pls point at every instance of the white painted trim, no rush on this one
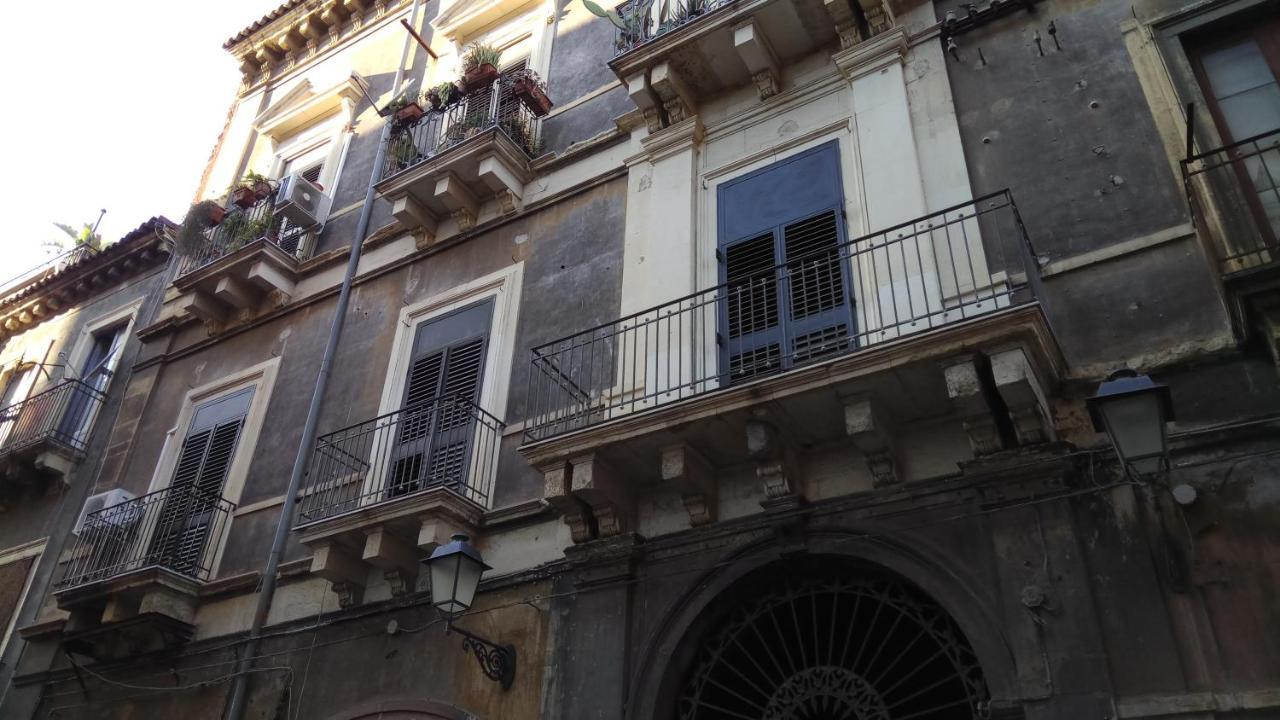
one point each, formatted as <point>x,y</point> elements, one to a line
<point>1139,244</point>
<point>35,549</point>
<point>504,286</point>
<point>262,378</point>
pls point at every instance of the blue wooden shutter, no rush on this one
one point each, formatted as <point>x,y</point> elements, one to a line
<point>786,298</point>
<point>445,377</point>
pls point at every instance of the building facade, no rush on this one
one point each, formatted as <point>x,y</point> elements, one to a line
<point>749,341</point>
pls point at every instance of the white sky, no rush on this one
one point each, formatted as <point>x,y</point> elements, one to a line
<point>112,105</point>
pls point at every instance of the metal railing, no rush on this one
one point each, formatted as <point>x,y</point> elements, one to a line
<point>62,415</point>
<point>959,263</point>
<point>178,529</point>
<point>241,227</point>
<point>648,20</point>
<point>48,267</point>
<point>1243,181</point>
<point>443,442</point>
<point>496,106</point>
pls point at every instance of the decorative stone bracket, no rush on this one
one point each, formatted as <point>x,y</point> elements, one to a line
<point>774,458</point>
<point>685,470</point>
<point>1009,374</point>
<point>873,433</point>
<point>593,498</point>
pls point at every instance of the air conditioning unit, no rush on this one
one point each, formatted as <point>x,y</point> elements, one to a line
<point>302,202</point>
<point>107,499</point>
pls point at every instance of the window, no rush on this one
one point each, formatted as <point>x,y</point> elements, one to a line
<point>198,479</point>
<point>786,299</point>
<point>1238,73</point>
<point>16,570</point>
<point>95,372</point>
<point>17,388</point>
<point>437,425</point>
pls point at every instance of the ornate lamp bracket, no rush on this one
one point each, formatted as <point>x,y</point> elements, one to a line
<point>498,662</point>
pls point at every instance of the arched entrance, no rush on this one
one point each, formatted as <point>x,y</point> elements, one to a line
<point>827,639</point>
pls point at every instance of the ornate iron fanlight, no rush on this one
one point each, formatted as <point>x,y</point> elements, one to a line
<point>855,648</point>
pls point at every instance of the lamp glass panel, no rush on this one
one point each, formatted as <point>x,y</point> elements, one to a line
<point>1136,425</point>
<point>469,572</point>
<point>444,575</point>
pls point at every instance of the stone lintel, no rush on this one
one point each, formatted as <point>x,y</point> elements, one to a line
<point>685,470</point>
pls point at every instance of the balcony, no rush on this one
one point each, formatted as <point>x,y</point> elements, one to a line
<point>933,320</point>
<point>382,493</point>
<point>248,263</point>
<point>1235,195</point>
<point>449,162</point>
<point>671,56</point>
<point>43,436</point>
<point>135,569</point>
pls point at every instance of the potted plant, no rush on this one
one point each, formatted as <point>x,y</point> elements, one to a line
<point>251,188</point>
<point>480,66</point>
<point>262,187</point>
<point>442,95</point>
<point>403,151</point>
<point>527,86</point>
<point>192,235</point>
<point>406,108</point>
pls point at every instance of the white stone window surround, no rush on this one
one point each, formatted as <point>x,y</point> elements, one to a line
<point>35,549</point>
<point>504,286</point>
<point>74,361</point>
<point>262,378</point>
<point>519,29</point>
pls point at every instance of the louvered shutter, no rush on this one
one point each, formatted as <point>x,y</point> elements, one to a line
<point>786,287</point>
<point>198,478</point>
<point>754,338</point>
<point>820,319</point>
<point>437,422</point>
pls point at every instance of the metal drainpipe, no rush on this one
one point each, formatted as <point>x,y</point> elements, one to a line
<point>240,683</point>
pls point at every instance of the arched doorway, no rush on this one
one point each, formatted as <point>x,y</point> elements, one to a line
<point>823,638</point>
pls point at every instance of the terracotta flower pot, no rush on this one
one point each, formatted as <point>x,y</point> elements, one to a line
<point>244,197</point>
<point>479,76</point>
<point>531,94</point>
<point>409,113</point>
<point>216,214</point>
<point>262,189</point>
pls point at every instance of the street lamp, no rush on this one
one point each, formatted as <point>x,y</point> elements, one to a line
<point>1134,412</point>
<point>455,574</point>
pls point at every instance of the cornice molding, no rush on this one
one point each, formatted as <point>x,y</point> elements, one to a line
<point>887,48</point>
<point>304,104</point>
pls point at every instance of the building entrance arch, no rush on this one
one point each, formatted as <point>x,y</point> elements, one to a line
<point>825,638</point>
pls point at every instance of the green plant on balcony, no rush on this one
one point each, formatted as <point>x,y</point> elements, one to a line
<point>480,66</point>
<point>631,18</point>
<point>443,95</point>
<point>403,151</point>
<point>406,107</point>
<point>252,188</point>
<point>193,234</point>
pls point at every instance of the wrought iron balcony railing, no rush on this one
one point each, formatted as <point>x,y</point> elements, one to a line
<point>497,106</point>
<point>444,442</point>
<point>61,416</point>
<point>48,267</point>
<point>1243,181</point>
<point>242,226</point>
<point>947,267</point>
<point>179,529</point>
<point>645,21</point>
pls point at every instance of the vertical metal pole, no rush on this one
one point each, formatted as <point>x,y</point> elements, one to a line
<point>240,684</point>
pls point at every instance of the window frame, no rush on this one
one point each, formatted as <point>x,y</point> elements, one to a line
<point>34,549</point>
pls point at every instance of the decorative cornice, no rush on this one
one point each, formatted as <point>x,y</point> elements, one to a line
<point>670,140</point>
<point>304,104</point>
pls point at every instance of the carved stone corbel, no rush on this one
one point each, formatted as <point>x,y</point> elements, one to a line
<point>871,431</point>
<point>1024,394</point>
<point>557,491</point>
<point>846,24</point>
<point>964,388</point>
<point>774,458</point>
<point>756,53</point>
<point>677,101</point>
<point>688,472</point>
<point>340,566</point>
<point>879,16</point>
<point>644,98</point>
<point>597,484</point>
